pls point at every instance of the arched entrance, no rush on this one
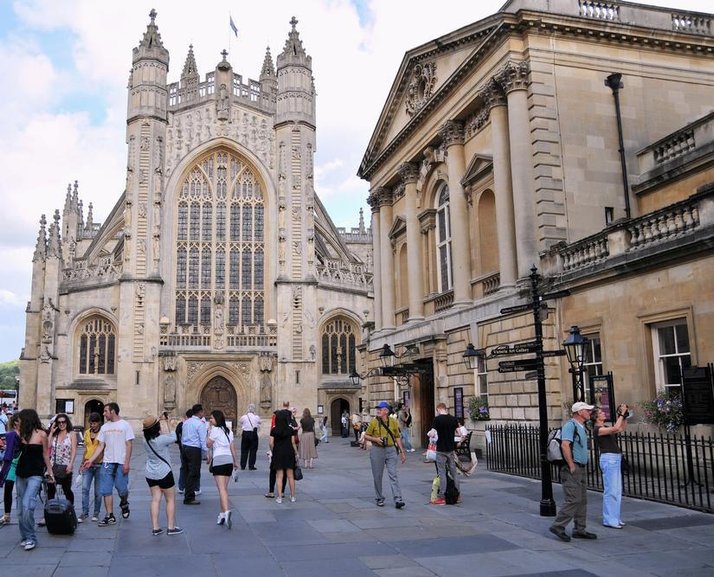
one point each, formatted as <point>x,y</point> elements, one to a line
<point>93,406</point>
<point>337,407</point>
<point>219,394</point>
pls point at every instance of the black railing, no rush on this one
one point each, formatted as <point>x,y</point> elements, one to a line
<point>665,468</point>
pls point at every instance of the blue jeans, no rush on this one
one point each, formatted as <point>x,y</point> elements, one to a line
<point>612,488</point>
<point>28,488</point>
<point>112,475</point>
<point>406,439</point>
<point>89,475</point>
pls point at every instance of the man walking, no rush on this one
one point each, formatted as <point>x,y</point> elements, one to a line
<point>574,444</point>
<point>250,425</point>
<point>445,426</point>
<point>115,445</point>
<point>386,445</point>
<point>193,447</point>
<point>405,423</point>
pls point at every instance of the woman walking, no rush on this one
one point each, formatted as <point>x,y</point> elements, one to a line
<point>9,466</point>
<point>308,450</point>
<point>610,465</point>
<point>285,454</point>
<point>223,461</point>
<point>159,475</point>
<point>63,451</point>
<point>34,461</point>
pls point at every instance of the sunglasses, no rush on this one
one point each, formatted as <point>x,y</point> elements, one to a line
<point>61,422</point>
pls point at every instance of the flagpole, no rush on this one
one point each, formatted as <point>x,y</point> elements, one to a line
<point>230,19</point>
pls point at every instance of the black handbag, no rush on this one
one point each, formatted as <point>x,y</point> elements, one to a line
<point>298,473</point>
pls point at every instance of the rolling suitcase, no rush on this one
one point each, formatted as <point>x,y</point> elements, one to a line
<point>60,516</point>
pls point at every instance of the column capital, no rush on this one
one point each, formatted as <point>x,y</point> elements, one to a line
<point>513,76</point>
<point>493,95</point>
<point>452,132</point>
<point>409,172</point>
<point>379,197</point>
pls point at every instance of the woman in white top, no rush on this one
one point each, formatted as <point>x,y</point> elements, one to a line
<point>223,461</point>
<point>159,475</point>
<point>63,451</point>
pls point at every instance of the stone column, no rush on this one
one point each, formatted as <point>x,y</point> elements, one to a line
<point>453,135</point>
<point>427,220</point>
<point>409,172</point>
<point>373,201</point>
<point>386,257</point>
<point>514,80</point>
<point>505,225</point>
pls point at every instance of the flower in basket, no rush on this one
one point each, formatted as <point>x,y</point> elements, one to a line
<point>478,409</point>
<point>665,411</point>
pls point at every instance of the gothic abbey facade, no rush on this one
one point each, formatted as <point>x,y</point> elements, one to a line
<point>218,277</point>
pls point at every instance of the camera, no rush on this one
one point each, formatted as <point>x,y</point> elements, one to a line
<point>384,441</point>
<point>630,413</point>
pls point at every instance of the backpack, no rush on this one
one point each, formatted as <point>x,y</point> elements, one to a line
<point>451,495</point>
<point>554,452</point>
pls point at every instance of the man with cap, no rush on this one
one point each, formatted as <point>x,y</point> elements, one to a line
<point>573,474</point>
<point>383,432</point>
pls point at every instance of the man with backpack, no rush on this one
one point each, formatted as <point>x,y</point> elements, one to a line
<point>445,426</point>
<point>574,445</point>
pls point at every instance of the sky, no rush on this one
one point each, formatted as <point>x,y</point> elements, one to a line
<point>65,66</point>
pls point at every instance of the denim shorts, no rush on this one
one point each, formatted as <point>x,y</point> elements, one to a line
<point>112,475</point>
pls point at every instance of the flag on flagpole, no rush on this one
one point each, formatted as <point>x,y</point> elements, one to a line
<point>233,26</point>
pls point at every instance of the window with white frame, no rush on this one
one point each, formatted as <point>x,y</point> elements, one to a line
<point>593,356</point>
<point>481,378</point>
<point>443,239</point>
<point>670,343</point>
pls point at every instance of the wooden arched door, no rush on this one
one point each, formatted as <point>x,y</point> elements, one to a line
<point>219,394</point>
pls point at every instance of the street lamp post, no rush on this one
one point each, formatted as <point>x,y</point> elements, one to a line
<point>575,348</point>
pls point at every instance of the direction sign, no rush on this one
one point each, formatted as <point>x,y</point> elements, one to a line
<point>529,347</point>
<point>556,353</point>
<point>516,309</point>
<point>555,295</point>
<point>518,365</point>
<point>501,350</point>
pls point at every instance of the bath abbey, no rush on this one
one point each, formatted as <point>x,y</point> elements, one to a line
<point>218,277</point>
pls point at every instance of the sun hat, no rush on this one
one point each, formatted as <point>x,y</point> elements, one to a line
<point>149,422</point>
<point>580,406</point>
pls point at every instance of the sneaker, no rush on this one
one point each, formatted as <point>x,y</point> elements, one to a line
<point>380,502</point>
<point>125,510</point>
<point>411,450</point>
<point>30,545</point>
<point>292,499</point>
<point>156,532</point>
<point>278,500</point>
<point>198,491</point>
<point>439,501</point>
<point>41,522</point>
<point>229,520</point>
<point>180,491</point>
<point>270,495</point>
<point>221,519</point>
<point>23,542</point>
<point>399,504</point>
<point>175,531</point>
<point>82,517</point>
<point>4,520</point>
<point>108,520</point>
<point>560,533</point>
<point>95,518</point>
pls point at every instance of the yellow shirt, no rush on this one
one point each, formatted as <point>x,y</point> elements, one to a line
<point>377,429</point>
<point>91,446</point>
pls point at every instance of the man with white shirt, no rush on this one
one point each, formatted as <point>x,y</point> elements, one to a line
<point>193,447</point>
<point>250,425</point>
<point>115,445</point>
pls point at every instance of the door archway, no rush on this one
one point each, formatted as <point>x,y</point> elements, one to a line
<point>219,394</point>
<point>93,406</point>
<point>337,407</point>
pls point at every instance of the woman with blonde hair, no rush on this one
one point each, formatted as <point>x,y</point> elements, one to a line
<point>308,450</point>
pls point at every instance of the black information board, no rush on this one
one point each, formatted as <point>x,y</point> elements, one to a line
<point>698,395</point>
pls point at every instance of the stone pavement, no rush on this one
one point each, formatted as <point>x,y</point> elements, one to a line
<point>335,528</point>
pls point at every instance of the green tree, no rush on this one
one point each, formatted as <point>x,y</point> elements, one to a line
<point>9,372</point>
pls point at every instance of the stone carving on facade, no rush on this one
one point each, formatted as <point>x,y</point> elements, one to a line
<point>192,368</point>
<point>48,321</point>
<point>159,155</point>
<point>513,76</point>
<point>421,86</point>
<point>408,172</point>
<point>140,293</point>
<point>169,358</point>
<point>170,391</point>
<point>432,158</point>
<point>222,103</point>
<point>265,365</point>
<point>452,133</point>
<point>45,354</point>
<point>141,210</point>
<point>130,154</point>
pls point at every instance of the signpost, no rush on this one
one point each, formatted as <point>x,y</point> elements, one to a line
<point>520,365</point>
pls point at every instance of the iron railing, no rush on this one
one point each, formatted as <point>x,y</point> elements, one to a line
<point>673,469</point>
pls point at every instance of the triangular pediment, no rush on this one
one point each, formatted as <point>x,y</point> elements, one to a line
<point>399,227</point>
<point>479,167</point>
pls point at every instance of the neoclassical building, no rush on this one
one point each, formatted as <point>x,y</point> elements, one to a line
<point>218,277</point>
<point>577,140</point>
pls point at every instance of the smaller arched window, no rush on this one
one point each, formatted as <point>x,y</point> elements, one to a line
<point>338,347</point>
<point>443,239</point>
<point>97,347</point>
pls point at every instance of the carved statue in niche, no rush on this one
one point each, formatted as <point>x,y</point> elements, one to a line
<point>266,390</point>
<point>158,155</point>
<point>297,248</point>
<point>140,293</point>
<point>142,210</point>
<point>170,391</point>
<point>48,314</point>
<point>144,143</point>
<point>313,352</point>
<point>222,104</point>
<point>141,246</point>
<point>218,320</point>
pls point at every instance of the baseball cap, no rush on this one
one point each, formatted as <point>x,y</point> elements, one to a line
<point>580,406</point>
<point>383,405</point>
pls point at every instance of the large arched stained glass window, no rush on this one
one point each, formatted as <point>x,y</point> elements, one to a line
<point>97,347</point>
<point>338,347</point>
<point>220,244</point>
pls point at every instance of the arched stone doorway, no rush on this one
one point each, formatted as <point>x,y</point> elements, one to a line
<point>219,394</point>
<point>337,407</point>
<point>93,406</point>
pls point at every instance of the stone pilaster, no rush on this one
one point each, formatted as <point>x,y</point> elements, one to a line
<point>386,257</point>
<point>409,173</point>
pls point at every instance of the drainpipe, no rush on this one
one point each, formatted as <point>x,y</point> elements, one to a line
<point>614,83</point>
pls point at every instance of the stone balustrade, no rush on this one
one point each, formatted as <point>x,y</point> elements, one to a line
<point>104,270</point>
